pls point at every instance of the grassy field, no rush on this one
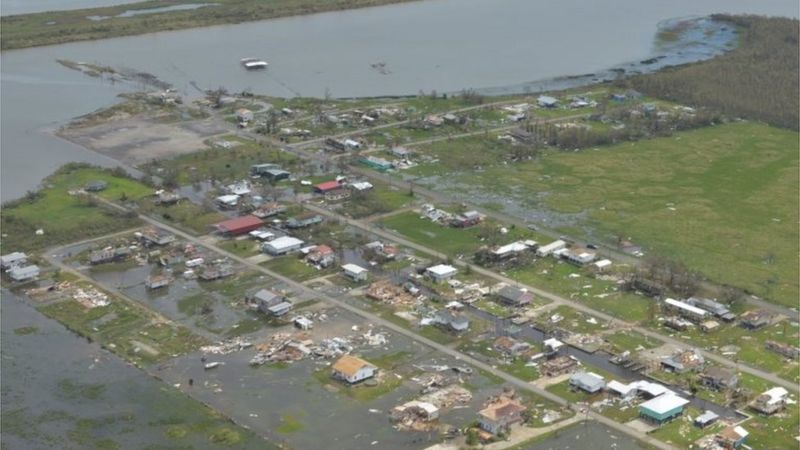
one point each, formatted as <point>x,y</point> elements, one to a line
<point>630,341</point>
<point>64,217</point>
<point>751,345</point>
<point>219,163</point>
<point>681,431</point>
<point>720,199</point>
<point>47,28</point>
<point>295,268</point>
<point>129,330</point>
<point>573,320</point>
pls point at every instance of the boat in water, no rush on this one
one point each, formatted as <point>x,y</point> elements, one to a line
<point>254,63</point>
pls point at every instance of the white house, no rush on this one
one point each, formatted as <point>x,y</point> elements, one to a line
<point>355,272</point>
<point>352,369</point>
<point>22,273</point>
<point>441,272</point>
<point>13,259</point>
<point>228,201</point>
<point>282,245</point>
<point>550,248</point>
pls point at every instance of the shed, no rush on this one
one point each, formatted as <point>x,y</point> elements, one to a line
<point>239,225</point>
<point>551,247</point>
<point>706,419</point>
<point>546,101</point>
<point>228,201</point>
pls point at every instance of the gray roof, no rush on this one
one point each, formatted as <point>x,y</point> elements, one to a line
<point>707,417</point>
<point>587,381</point>
<point>266,296</point>
<point>511,293</point>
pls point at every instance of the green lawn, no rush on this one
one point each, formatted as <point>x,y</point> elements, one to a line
<point>682,432</point>
<point>128,330</point>
<point>630,340</point>
<point>241,247</point>
<point>439,237</point>
<point>751,345</point>
<point>720,199</point>
<point>66,218</point>
<point>186,215</point>
<point>295,268</point>
<point>573,320</point>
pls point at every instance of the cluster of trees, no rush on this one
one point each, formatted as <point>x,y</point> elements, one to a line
<point>637,125</point>
<point>758,80</point>
<point>673,275</point>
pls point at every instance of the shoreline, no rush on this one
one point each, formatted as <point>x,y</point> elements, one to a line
<point>49,28</point>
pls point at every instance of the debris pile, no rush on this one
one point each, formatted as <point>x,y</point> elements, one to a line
<point>385,291</point>
<point>225,347</point>
<point>283,347</point>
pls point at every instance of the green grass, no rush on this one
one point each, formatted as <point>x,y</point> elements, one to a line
<point>186,215</point>
<point>492,308</point>
<point>295,268</point>
<point>360,392</point>
<point>565,391</point>
<point>731,186</point>
<point>29,30</point>
<point>630,340</point>
<point>119,324</point>
<point>439,237</point>
<point>289,424</point>
<point>219,163</point>
<point>681,431</point>
<point>751,344</point>
<point>573,320</point>
<point>241,247</point>
<point>63,217</point>
<point>520,370</point>
<point>560,277</point>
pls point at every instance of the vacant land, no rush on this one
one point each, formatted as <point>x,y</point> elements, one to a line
<point>758,80</point>
<point>57,27</point>
<point>720,199</point>
<point>63,217</point>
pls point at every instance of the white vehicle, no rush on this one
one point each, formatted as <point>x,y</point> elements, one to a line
<point>253,63</point>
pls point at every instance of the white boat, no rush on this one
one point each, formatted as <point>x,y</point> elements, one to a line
<point>212,365</point>
<point>253,63</point>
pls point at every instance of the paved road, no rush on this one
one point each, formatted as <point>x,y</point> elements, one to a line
<point>555,298</point>
<point>300,288</point>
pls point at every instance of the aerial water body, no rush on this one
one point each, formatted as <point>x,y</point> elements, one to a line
<point>442,45</point>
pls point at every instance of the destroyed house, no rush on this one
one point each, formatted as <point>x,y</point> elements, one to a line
<point>732,437</point>
<point>304,220</point>
<point>718,378</point>
<point>108,255</point>
<point>717,309</point>
<point>514,296</point>
<point>157,236</point>
<point>322,256</point>
<point>558,366</point>
<point>466,219</point>
<point>755,319</point>
<point>499,415</point>
<point>167,198</point>
<point>686,361</point>
<point>510,346</point>
<point>268,210</point>
<point>335,144</point>
<point>239,225</point>
<point>215,272</point>
<point>352,369</point>
<point>785,350</point>
<point>520,135</point>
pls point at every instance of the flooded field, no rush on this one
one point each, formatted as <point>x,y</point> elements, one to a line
<point>93,399</point>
